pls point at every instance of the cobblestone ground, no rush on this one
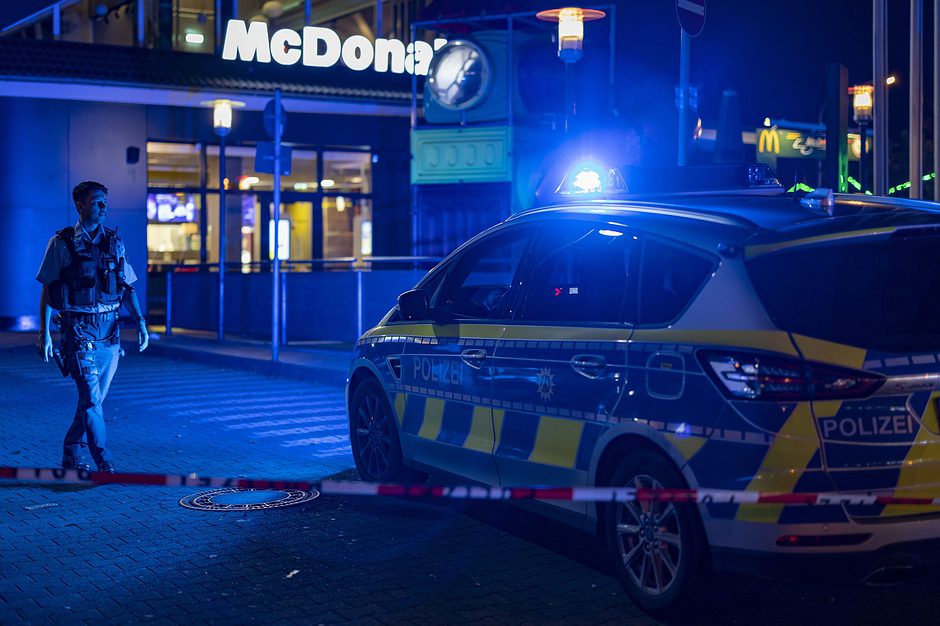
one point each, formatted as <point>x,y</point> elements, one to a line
<point>116,554</point>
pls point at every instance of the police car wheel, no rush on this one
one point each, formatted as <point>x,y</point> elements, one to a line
<point>374,435</point>
<point>657,547</point>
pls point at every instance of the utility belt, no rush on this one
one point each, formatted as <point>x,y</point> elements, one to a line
<point>88,318</point>
<point>83,332</point>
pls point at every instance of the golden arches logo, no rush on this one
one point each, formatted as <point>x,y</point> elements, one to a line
<point>769,141</point>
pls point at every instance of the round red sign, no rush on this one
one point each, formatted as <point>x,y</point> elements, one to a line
<point>691,14</point>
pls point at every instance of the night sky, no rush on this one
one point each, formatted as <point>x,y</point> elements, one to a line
<point>772,52</point>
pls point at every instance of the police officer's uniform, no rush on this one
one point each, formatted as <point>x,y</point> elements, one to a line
<point>86,276</point>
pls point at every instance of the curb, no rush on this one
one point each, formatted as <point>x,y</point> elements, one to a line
<point>306,373</point>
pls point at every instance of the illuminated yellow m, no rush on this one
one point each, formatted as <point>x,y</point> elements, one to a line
<point>770,138</point>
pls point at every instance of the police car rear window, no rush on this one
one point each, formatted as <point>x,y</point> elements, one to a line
<point>881,294</point>
<point>581,274</point>
<point>670,277</point>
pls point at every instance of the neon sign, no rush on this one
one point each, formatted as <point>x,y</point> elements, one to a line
<point>317,46</point>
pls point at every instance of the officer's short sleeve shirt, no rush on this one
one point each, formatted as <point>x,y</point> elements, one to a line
<point>57,257</point>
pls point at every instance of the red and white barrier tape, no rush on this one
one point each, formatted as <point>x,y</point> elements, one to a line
<point>355,488</point>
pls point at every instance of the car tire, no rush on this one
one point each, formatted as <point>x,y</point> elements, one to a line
<point>657,548</point>
<point>373,435</point>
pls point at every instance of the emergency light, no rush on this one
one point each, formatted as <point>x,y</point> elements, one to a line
<point>590,180</point>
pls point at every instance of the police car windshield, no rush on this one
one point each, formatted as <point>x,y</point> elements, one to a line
<point>881,294</point>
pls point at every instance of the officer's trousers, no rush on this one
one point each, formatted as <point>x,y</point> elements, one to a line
<point>92,367</point>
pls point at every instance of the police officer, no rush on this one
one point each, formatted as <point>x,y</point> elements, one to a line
<point>85,276</point>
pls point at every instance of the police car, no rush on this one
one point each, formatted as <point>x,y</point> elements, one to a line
<point>745,339</point>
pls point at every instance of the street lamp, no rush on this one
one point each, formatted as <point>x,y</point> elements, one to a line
<point>570,40</point>
<point>222,125</point>
<point>862,104</point>
<point>570,29</point>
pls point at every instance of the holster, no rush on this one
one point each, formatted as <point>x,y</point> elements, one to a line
<point>60,361</point>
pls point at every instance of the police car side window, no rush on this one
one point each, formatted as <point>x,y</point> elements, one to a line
<point>479,284</point>
<point>670,277</point>
<point>582,273</point>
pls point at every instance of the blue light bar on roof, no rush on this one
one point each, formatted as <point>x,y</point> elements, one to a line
<point>590,179</point>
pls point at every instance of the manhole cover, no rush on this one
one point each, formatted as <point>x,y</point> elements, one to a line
<point>232,499</point>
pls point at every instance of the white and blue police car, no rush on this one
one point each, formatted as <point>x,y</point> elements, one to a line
<point>741,338</point>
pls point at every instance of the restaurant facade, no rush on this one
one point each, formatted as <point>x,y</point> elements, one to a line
<point>90,92</point>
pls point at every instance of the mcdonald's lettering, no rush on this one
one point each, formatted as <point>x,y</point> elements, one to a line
<point>769,141</point>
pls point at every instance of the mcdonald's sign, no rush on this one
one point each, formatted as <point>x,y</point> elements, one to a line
<point>769,140</point>
<point>773,143</point>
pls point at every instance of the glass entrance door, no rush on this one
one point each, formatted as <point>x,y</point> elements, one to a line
<point>297,229</point>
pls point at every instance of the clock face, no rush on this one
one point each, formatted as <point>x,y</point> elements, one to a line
<point>459,76</point>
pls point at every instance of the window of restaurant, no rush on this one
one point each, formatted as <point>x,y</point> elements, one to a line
<point>173,203</point>
<point>344,218</point>
<point>336,183</point>
<point>92,21</point>
<point>347,203</point>
<point>189,25</point>
<point>276,14</point>
<point>194,25</point>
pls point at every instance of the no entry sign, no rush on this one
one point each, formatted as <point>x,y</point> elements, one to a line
<point>691,14</point>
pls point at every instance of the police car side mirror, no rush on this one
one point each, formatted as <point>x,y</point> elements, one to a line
<point>414,305</point>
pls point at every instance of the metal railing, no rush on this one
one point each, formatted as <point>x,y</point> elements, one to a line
<point>321,299</point>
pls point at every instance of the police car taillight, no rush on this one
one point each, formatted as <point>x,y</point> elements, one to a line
<point>749,376</point>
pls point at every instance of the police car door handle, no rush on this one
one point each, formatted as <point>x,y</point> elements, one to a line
<point>473,357</point>
<point>588,365</point>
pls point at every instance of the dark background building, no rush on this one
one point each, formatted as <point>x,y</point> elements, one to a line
<point>116,90</point>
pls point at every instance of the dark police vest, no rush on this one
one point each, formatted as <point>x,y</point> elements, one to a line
<point>95,274</point>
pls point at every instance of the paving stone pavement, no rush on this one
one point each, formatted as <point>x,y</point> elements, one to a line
<point>128,554</point>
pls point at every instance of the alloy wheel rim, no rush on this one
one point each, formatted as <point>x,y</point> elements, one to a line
<point>649,538</point>
<point>373,436</point>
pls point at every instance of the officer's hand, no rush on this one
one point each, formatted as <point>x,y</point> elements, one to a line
<point>44,346</point>
<point>143,337</point>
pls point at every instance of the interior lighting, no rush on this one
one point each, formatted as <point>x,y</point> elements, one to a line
<point>570,29</point>
<point>891,80</point>
<point>247,181</point>
<point>327,182</point>
<point>301,186</point>
<point>196,39</point>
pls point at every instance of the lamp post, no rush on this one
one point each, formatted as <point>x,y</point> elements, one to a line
<point>570,41</point>
<point>862,105</point>
<point>222,125</point>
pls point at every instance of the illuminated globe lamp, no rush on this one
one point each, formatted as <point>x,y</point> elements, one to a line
<point>862,103</point>
<point>862,100</point>
<point>222,125</point>
<point>222,117</point>
<point>570,29</point>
